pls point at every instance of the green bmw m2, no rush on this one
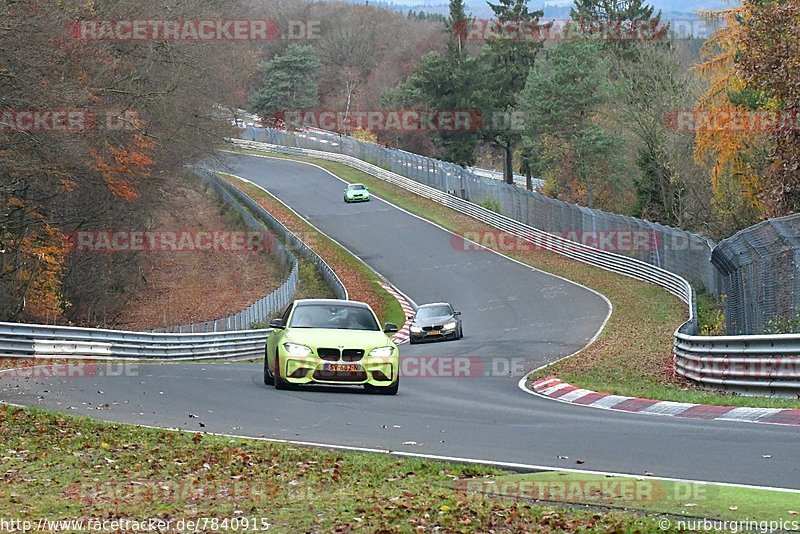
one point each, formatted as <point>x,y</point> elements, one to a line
<point>325,341</point>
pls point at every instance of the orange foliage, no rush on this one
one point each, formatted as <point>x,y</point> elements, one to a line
<point>47,256</point>
<point>125,164</point>
<point>40,254</point>
<point>723,145</point>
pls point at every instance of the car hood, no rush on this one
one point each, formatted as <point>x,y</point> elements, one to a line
<point>430,321</point>
<point>328,337</point>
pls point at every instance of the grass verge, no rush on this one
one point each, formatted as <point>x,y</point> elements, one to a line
<point>361,282</point>
<point>633,354</point>
<point>102,471</point>
<point>646,495</point>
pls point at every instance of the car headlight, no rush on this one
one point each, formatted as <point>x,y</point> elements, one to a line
<point>382,352</point>
<point>450,326</point>
<point>416,329</point>
<point>293,349</point>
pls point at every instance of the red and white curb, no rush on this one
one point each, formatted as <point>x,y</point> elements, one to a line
<point>554,388</point>
<point>408,310</point>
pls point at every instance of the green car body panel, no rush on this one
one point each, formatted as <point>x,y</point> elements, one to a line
<point>286,368</point>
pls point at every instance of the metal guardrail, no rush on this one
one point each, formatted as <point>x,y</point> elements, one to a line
<point>46,341</point>
<point>519,179</point>
<point>291,241</point>
<point>285,245</point>
<point>20,340</point>
<point>265,307</point>
<point>672,249</point>
<point>711,361</point>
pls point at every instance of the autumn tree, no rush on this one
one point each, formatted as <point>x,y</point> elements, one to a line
<point>732,153</point>
<point>161,97</point>
<point>768,63</point>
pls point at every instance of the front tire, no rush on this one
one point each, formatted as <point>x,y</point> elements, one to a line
<point>384,390</point>
<point>280,383</point>
<point>269,380</point>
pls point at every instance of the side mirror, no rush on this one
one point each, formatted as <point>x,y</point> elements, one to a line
<point>390,328</point>
<point>457,313</point>
<point>277,323</point>
<point>410,317</point>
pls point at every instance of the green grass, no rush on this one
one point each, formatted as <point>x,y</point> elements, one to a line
<point>65,468</point>
<point>645,494</point>
<point>710,316</point>
<point>632,356</point>
<point>311,285</point>
<point>361,281</point>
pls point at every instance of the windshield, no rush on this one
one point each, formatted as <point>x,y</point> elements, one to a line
<point>358,187</point>
<point>434,311</point>
<point>333,316</point>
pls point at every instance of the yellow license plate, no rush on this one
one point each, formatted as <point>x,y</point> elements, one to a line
<point>434,332</point>
<point>340,367</point>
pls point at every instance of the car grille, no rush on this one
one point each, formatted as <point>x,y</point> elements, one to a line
<point>333,355</point>
<point>435,327</point>
<point>352,355</point>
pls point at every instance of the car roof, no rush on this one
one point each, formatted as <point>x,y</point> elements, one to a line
<point>431,304</point>
<point>339,302</point>
<point>357,183</point>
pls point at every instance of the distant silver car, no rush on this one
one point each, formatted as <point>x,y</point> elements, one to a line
<point>436,321</point>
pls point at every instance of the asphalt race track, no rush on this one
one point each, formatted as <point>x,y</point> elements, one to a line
<point>511,314</point>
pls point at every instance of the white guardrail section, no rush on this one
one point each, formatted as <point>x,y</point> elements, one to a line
<point>18,340</point>
<point>761,365</point>
<point>44,341</point>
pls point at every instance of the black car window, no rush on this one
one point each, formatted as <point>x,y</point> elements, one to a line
<point>333,316</point>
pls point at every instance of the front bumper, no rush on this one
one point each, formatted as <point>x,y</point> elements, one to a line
<point>359,198</point>
<point>369,370</point>
<point>427,336</point>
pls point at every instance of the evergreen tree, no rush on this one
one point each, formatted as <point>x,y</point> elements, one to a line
<point>563,141</point>
<point>613,10</point>
<point>506,63</point>
<point>445,82</point>
<point>289,82</point>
